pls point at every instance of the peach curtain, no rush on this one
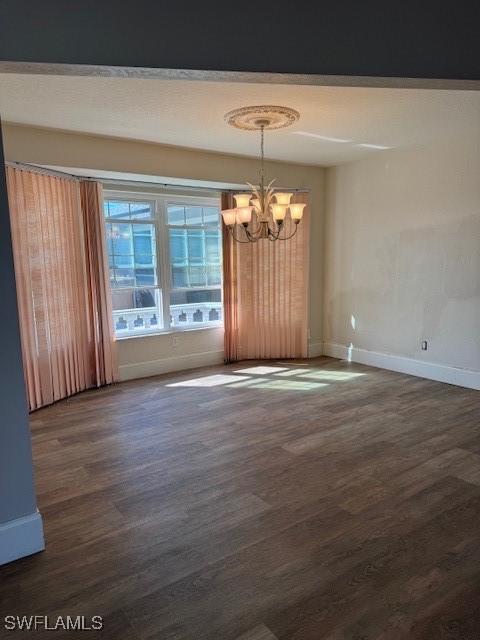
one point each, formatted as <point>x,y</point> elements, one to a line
<point>266,294</point>
<point>66,344</point>
<point>102,348</point>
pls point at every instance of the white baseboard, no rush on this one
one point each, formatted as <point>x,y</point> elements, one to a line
<point>441,373</point>
<point>21,537</point>
<point>315,349</point>
<point>170,364</point>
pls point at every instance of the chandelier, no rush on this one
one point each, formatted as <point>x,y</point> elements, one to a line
<point>261,213</point>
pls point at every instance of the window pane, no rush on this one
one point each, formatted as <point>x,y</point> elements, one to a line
<point>145,257</point>
<point>211,216</point>
<point>123,261</point>
<point>127,210</point>
<point>109,236</point>
<point>144,298</point>
<point>121,238</point>
<point>117,209</point>
<point>200,251</point>
<point>144,276</point>
<point>195,241</point>
<point>178,246</point>
<point>193,296</point>
<point>123,299</point>
<point>141,298</point>
<point>197,276</point>
<point>147,260</point>
<point>143,238</point>
<point>193,215</point>
<point>179,276</point>
<point>176,215</point>
<point>140,210</point>
<point>132,255</point>
<point>214,276</point>
<point>212,247</point>
<point>192,307</point>
<point>124,277</point>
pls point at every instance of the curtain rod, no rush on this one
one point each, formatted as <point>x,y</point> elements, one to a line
<point>38,169</point>
<point>188,187</point>
<point>64,174</point>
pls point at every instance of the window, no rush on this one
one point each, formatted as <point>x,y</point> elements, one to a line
<point>165,262</point>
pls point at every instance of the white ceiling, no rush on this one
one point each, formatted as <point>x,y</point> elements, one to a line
<point>190,114</point>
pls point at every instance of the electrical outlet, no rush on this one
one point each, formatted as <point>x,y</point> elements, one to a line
<point>424,345</point>
<point>174,341</point>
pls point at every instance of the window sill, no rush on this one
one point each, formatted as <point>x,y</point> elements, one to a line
<point>166,332</point>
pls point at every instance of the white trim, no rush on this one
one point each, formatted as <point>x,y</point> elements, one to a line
<point>125,193</point>
<point>262,77</point>
<point>440,372</point>
<point>21,537</point>
<point>166,365</point>
<point>315,349</point>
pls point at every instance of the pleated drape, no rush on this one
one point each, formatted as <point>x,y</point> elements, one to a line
<point>103,361</point>
<point>61,338</point>
<point>266,294</point>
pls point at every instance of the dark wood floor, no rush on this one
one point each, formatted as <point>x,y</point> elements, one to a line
<point>300,502</point>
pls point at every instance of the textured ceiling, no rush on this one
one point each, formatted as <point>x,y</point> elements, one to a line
<point>190,114</point>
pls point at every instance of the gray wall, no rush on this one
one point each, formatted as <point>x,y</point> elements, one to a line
<point>17,495</point>
<point>408,39</point>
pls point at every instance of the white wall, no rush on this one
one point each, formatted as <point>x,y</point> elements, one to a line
<point>402,251</point>
<point>151,355</point>
<point>155,354</point>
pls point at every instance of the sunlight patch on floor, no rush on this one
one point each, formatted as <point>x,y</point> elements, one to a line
<point>290,385</point>
<point>332,375</point>
<point>261,371</point>
<point>293,372</point>
<point>278,378</point>
<point>208,381</point>
<point>252,382</point>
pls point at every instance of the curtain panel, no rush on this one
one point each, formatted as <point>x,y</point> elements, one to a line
<point>266,293</point>
<point>62,292</point>
<point>102,351</point>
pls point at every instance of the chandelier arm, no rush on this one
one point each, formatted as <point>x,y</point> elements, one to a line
<point>272,235</point>
<point>253,237</point>
<point>290,236</point>
<point>250,236</point>
<point>232,233</point>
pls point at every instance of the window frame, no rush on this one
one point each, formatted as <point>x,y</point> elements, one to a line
<point>160,204</point>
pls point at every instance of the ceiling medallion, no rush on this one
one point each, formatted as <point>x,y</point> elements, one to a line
<point>268,116</point>
<point>260,214</point>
